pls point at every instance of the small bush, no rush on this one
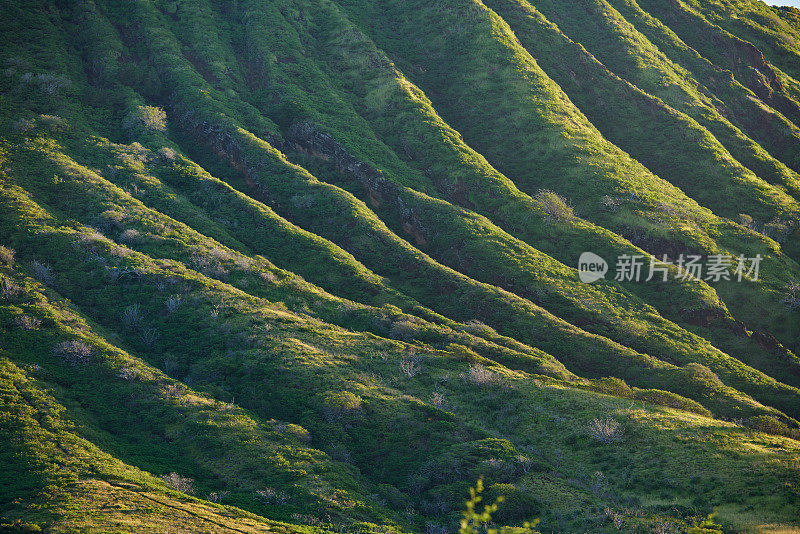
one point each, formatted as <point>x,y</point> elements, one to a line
<point>147,118</point>
<point>8,289</point>
<point>173,303</point>
<point>54,122</point>
<point>167,154</point>
<point>272,496</point>
<point>218,496</point>
<point>7,256</point>
<point>605,430</point>
<point>610,203</point>
<point>210,262</point>
<point>554,205</point>
<point>791,295</point>
<point>132,316</point>
<point>268,277</point>
<point>526,463</point>
<point>91,239</point>
<point>47,82</point>
<point>480,375</point>
<point>465,354</point>
<point>477,327</point>
<point>26,322</point>
<point>612,386</point>
<point>410,367</point>
<point>128,374</point>
<point>747,221</point>
<point>179,483</point>
<point>698,371</point>
<point>214,312</point>
<point>617,519</point>
<point>130,235</point>
<point>404,331</point>
<point>437,401</point>
<point>298,432</point>
<point>73,352</point>
<point>338,405</point>
<point>43,272</point>
<point>149,336</point>
<point>24,125</point>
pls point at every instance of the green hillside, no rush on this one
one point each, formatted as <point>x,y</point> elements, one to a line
<point>313,266</point>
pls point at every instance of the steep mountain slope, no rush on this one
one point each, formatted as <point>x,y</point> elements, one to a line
<point>310,265</point>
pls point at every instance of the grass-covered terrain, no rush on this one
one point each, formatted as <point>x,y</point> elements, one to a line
<point>311,265</point>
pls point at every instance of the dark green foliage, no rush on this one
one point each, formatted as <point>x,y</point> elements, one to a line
<point>315,260</point>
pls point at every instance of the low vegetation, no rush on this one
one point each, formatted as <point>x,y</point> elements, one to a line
<point>310,266</point>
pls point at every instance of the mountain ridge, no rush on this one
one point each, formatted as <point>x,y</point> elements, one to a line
<point>312,265</point>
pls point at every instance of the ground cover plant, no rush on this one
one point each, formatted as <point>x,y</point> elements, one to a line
<point>316,266</point>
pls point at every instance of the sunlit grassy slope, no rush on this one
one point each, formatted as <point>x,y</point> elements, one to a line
<point>310,265</point>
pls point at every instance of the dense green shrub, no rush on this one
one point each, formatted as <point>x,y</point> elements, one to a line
<point>554,205</point>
